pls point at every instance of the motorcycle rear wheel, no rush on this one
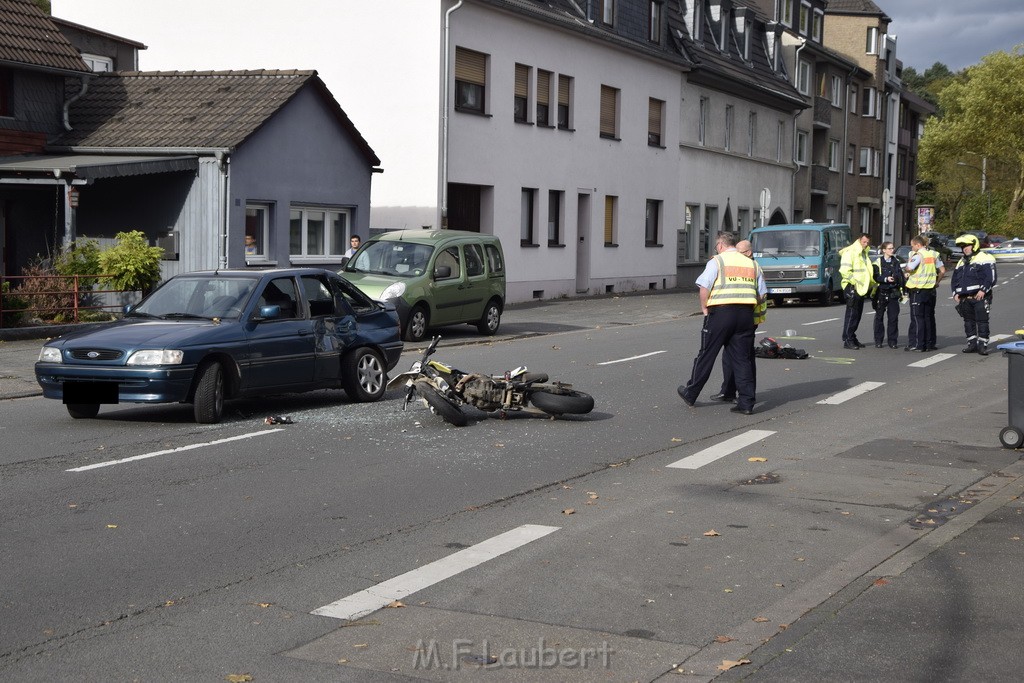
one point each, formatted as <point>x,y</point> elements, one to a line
<point>440,404</point>
<point>568,402</point>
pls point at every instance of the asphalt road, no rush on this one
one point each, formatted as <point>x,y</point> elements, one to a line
<point>845,531</point>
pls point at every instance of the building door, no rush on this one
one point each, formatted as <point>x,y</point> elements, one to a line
<point>582,243</point>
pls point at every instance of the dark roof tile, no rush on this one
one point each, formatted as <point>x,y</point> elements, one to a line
<point>28,36</point>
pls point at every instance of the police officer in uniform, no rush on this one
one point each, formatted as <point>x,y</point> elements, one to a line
<point>857,283</point>
<point>973,280</point>
<point>728,392</point>
<point>925,270</point>
<point>731,286</point>
<point>890,279</point>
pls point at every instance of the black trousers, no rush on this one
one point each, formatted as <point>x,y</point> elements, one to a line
<point>975,315</point>
<point>728,327</point>
<point>921,333</point>
<point>729,377</point>
<point>854,311</point>
<point>887,314</point>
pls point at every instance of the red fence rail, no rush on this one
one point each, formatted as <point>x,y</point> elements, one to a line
<point>53,297</point>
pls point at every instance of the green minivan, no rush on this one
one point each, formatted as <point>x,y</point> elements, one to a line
<point>433,278</point>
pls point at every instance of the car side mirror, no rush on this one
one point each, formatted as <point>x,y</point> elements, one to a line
<point>269,312</point>
<point>128,308</point>
<point>442,272</point>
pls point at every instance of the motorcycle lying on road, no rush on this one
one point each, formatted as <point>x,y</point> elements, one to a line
<point>446,389</point>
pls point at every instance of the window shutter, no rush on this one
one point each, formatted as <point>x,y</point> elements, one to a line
<point>563,91</point>
<point>543,87</point>
<point>654,117</point>
<point>470,66</point>
<point>522,81</point>
<point>609,219</point>
<point>607,111</point>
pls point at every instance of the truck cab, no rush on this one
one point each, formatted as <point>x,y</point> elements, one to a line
<point>801,260</point>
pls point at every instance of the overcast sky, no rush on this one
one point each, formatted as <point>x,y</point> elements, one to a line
<point>379,57</point>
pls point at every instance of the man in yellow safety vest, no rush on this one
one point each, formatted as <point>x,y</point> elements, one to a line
<point>857,282</point>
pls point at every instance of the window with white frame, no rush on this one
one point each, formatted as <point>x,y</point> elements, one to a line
<point>652,223</point>
<point>833,154</point>
<point>866,156</point>
<point>608,12</point>
<point>565,102</point>
<point>314,233</point>
<point>865,218</point>
<point>805,18</point>
<point>751,134</point>
<point>543,97</point>
<point>609,112</point>
<point>851,103</point>
<point>98,63</point>
<point>801,147</point>
<point>786,12</point>
<point>803,79</point>
<point>555,218</point>
<point>867,102</point>
<point>729,110</point>
<point>655,119</point>
<point>817,25</point>
<point>527,219</point>
<point>851,156</point>
<point>654,23</point>
<point>837,91</point>
<point>470,80</point>
<point>702,121</point>
<point>871,41</point>
<point>257,230</point>
<point>521,98</point>
<point>877,169</point>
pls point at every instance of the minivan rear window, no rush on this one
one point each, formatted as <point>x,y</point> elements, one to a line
<point>495,264</point>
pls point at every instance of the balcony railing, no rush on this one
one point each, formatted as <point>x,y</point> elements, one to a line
<point>823,112</point>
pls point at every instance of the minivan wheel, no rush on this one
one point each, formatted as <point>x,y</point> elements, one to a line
<point>491,319</point>
<point>416,326</point>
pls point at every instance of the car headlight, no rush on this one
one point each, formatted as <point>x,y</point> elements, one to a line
<point>393,291</point>
<point>156,357</point>
<point>50,354</point>
<point>811,274</point>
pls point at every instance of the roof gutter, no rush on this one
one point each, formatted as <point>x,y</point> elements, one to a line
<point>444,114</point>
<point>198,151</point>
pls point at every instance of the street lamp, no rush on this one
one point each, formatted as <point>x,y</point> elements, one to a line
<point>984,180</point>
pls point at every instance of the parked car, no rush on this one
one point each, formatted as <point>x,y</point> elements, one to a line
<point>956,253</point>
<point>433,278</point>
<point>982,236</point>
<point>903,253</point>
<point>204,337</point>
<point>1008,251</point>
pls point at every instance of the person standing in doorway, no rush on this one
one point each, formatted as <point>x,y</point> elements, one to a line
<point>925,269</point>
<point>855,270</point>
<point>731,286</point>
<point>728,392</point>
<point>972,282</point>
<point>890,280</point>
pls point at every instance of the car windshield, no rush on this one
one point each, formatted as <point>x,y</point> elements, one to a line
<point>194,297</point>
<point>393,258</point>
<point>799,242</point>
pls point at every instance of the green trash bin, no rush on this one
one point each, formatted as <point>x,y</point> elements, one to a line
<point>1012,436</point>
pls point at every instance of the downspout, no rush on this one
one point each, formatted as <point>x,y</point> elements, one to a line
<point>846,144</point>
<point>68,102</point>
<point>444,114</point>
<point>223,162</point>
<point>796,113</point>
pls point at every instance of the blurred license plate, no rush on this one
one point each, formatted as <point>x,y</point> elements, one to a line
<point>90,392</point>
<point>780,290</point>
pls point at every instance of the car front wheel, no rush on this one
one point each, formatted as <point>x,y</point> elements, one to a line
<point>363,375</point>
<point>416,326</point>
<point>208,402</point>
<point>81,411</point>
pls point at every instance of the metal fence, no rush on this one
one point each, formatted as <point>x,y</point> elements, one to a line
<point>25,299</point>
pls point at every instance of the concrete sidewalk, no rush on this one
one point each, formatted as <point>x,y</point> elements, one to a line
<point>18,355</point>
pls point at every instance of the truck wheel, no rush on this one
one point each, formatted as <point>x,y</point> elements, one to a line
<point>826,297</point>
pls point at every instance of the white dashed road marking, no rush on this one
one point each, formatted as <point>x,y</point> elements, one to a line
<point>372,599</point>
<point>932,360</point>
<point>190,447</point>
<point>852,392</point>
<point>623,360</point>
<point>709,455</point>
<point>819,322</point>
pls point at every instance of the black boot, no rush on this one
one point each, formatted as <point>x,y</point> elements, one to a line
<point>970,348</point>
<point>982,348</point>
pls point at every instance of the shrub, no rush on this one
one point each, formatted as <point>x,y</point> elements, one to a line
<point>83,258</point>
<point>11,314</point>
<point>50,299</point>
<point>132,263</point>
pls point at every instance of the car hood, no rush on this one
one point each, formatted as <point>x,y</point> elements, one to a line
<point>371,285</point>
<point>136,334</point>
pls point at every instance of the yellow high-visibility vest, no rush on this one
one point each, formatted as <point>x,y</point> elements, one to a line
<point>736,282</point>
<point>925,275</point>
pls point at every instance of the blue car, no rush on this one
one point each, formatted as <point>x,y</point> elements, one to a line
<point>204,337</point>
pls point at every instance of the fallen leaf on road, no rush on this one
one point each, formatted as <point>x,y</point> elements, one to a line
<point>724,639</point>
<point>1014,538</point>
<point>111,526</point>
<point>677,439</point>
<point>757,459</point>
<point>568,511</point>
<point>712,532</point>
<point>238,678</point>
<point>729,664</point>
<point>361,645</point>
<point>761,620</point>
<point>395,604</point>
<point>264,604</point>
<point>880,582</point>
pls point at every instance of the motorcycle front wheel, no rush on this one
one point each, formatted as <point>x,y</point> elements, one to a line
<point>566,403</point>
<point>440,404</point>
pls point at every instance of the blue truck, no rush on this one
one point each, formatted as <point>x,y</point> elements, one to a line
<point>801,260</point>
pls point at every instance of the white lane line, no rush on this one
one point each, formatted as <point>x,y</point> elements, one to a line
<point>624,360</point>
<point>190,447</point>
<point>932,360</point>
<point>709,455</point>
<point>852,392</point>
<point>372,599</point>
<point>999,337</point>
<point>819,322</point>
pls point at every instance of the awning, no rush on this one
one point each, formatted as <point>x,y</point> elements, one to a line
<point>90,166</point>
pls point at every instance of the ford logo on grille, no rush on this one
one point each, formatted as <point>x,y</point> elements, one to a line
<point>93,354</point>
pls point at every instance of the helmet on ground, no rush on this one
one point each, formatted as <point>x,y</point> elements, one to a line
<point>970,240</point>
<point>770,345</point>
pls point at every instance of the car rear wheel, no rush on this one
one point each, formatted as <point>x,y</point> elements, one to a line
<point>81,411</point>
<point>416,326</point>
<point>363,375</point>
<point>208,402</point>
<point>491,318</point>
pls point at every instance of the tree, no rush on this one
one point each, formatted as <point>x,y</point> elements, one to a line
<point>132,263</point>
<point>981,120</point>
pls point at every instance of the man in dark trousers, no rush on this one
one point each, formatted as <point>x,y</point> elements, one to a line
<point>890,280</point>
<point>973,280</point>
<point>728,392</point>
<point>924,273</point>
<point>731,286</point>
